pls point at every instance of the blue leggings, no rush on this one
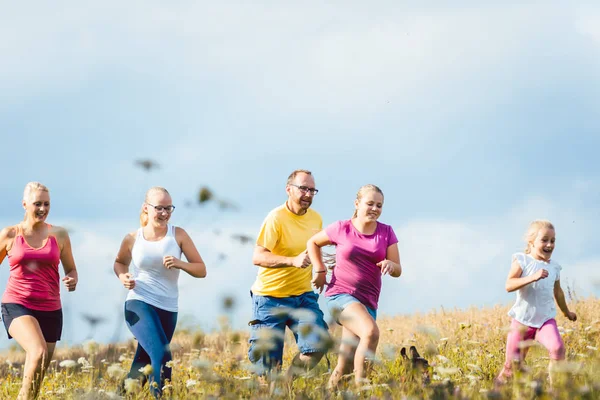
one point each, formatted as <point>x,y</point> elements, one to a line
<point>153,328</point>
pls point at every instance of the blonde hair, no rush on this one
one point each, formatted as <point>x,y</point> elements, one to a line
<point>293,175</point>
<point>32,187</point>
<point>149,193</point>
<point>363,190</point>
<point>533,230</point>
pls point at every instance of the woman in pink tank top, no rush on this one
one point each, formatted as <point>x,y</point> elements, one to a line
<point>31,308</point>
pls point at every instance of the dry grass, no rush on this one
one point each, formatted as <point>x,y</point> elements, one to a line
<point>464,347</point>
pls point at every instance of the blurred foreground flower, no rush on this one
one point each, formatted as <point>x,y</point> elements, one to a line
<point>147,370</point>
<point>116,371</point>
<point>132,385</point>
<point>68,364</point>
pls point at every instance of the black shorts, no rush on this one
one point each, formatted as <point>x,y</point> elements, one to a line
<point>50,321</point>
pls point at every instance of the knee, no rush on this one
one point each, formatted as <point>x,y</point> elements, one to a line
<point>557,351</point>
<point>38,354</point>
<point>371,334</point>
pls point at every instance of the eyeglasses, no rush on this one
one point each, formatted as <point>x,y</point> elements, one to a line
<point>306,189</point>
<point>168,209</point>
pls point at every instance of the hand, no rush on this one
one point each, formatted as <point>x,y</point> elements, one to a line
<point>70,283</point>
<point>387,267</point>
<point>127,280</point>
<point>540,274</point>
<point>319,281</point>
<point>571,315</point>
<point>171,262</point>
<point>302,260</point>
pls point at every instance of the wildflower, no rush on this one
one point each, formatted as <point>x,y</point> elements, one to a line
<point>190,383</point>
<point>447,371</point>
<point>591,348</point>
<point>132,385</point>
<point>147,370</point>
<point>67,364</point>
<point>201,363</point>
<point>83,361</point>
<point>442,358</point>
<point>474,367</point>
<point>123,357</point>
<point>115,371</point>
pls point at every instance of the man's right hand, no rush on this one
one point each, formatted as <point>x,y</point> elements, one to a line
<point>302,260</point>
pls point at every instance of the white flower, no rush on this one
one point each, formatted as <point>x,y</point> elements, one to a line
<point>442,358</point>
<point>132,385</point>
<point>115,371</point>
<point>147,370</point>
<point>83,361</point>
<point>191,383</point>
<point>67,364</point>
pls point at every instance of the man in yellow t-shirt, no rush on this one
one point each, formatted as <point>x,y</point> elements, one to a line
<point>282,294</point>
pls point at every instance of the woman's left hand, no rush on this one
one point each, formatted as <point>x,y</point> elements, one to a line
<point>70,283</point>
<point>387,267</point>
<point>171,262</point>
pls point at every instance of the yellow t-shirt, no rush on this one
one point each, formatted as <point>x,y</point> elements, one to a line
<point>285,234</point>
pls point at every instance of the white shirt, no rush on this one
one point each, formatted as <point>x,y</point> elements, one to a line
<point>535,302</point>
<point>154,283</point>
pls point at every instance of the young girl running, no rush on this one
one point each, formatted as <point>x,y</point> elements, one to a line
<point>536,278</point>
<point>154,252</point>
<point>365,250</point>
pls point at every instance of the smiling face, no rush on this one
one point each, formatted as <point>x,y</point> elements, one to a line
<point>37,205</point>
<point>157,206</point>
<point>301,191</point>
<point>543,244</point>
<point>369,206</point>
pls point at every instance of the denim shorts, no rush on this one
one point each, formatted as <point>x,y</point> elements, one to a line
<point>340,301</point>
<point>270,316</point>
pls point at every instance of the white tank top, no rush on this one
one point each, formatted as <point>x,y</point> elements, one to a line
<point>154,283</point>
<point>535,302</point>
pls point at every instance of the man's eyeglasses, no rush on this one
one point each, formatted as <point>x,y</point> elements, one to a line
<point>168,209</point>
<point>306,189</point>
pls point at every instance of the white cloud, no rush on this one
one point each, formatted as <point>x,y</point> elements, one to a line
<point>292,57</point>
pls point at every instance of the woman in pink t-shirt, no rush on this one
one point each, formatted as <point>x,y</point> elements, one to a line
<point>365,250</point>
<point>31,307</point>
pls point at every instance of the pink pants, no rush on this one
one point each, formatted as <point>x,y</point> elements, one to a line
<point>547,335</point>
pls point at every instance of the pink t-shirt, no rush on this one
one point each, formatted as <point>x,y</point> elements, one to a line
<point>356,272</point>
<point>34,281</point>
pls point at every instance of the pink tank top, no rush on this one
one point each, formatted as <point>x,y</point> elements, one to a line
<point>34,281</point>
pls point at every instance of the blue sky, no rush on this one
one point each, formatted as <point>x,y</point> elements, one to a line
<point>474,119</point>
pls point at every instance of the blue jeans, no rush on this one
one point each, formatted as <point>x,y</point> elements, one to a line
<point>270,316</point>
<point>153,328</point>
<point>341,301</point>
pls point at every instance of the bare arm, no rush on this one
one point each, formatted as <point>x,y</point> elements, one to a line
<point>313,247</point>
<point>195,265</point>
<point>121,266</point>
<point>391,264</point>
<point>559,295</point>
<point>262,257</point>
<point>6,236</point>
<point>66,258</point>
<point>516,282</point>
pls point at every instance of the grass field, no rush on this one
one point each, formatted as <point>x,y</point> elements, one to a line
<point>465,349</point>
